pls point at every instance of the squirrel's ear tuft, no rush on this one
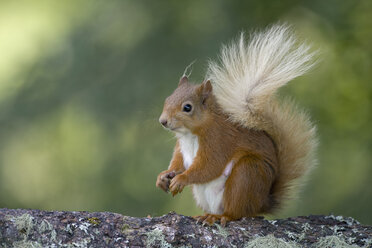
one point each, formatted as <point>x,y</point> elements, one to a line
<point>183,80</point>
<point>206,90</point>
<point>207,86</point>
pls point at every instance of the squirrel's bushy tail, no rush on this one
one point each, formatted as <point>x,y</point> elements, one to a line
<point>245,82</point>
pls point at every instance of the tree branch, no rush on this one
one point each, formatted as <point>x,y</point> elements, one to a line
<point>35,228</point>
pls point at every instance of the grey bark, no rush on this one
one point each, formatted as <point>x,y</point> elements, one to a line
<point>36,228</point>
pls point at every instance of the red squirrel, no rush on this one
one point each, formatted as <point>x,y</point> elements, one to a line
<point>243,151</point>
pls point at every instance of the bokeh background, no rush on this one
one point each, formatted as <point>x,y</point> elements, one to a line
<point>82,84</point>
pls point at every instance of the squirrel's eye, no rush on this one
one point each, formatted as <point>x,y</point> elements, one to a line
<point>187,108</point>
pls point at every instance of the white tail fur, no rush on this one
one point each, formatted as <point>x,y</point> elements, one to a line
<point>250,73</point>
<point>244,84</point>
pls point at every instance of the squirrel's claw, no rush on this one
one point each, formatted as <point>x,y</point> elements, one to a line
<point>200,218</point>
<point>164,179</point>
<point>210,219</point>
<point>177,184</point>
<point>175,189</point>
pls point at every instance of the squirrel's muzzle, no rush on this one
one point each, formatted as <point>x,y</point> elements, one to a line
<point>163,122</point>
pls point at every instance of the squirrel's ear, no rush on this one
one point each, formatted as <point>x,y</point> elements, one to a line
<point>207,86</point>
<point>183,80</point>
<point>206,90</point>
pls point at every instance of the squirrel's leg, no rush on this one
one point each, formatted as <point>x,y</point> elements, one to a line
<point>247,190</point>
<point>175,167</point>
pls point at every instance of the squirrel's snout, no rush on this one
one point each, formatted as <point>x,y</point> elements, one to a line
<point>164,122</point>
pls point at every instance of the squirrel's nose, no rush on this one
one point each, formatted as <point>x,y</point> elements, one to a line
<point>164,122</point>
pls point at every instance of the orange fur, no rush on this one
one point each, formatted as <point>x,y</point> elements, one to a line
<point>243,151</point>
<point>247,190</point>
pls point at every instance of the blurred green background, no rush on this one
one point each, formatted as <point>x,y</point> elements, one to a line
<point>82,84</point>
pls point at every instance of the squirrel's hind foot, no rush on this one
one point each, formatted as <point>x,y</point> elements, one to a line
<point>210,219</point>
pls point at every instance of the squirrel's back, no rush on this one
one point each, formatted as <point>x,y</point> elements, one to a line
<point>244,84</point>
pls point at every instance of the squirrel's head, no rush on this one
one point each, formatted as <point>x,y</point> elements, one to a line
<point>188,106</point>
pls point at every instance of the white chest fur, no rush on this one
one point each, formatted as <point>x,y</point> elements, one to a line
<point>208,196</point>
<point>189,147</point>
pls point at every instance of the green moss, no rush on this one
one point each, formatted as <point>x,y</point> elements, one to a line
<point>156,235</point>
<point>94,221</point>
<point>23,223</point>
<point>270,241</point>
<point>222,231</point>
<point>26,244</point>
<point>333,241</point>
<point>96,232</point>
<point>367,242</point>
<point>68,229</point>
<point>53,235</point>
<point>125,227</point>
<point>45,226</point>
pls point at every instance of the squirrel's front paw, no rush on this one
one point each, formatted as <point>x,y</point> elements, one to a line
<point>164,179</point>
<point>177,184</point>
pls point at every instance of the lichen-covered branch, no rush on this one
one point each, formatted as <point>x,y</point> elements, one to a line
<point>35,228</point>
